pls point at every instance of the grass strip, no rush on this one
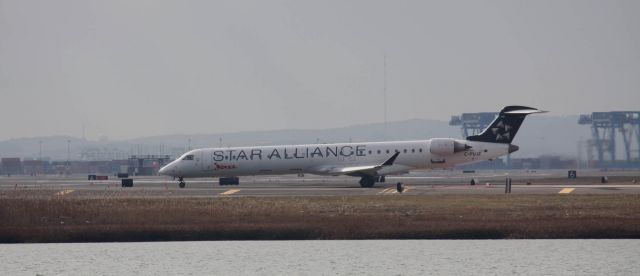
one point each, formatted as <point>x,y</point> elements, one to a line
<point>113,219</point>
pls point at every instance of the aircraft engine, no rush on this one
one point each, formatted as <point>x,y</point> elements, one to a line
<point>446,146</point>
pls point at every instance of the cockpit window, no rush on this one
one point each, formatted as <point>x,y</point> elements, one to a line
<point>188,157</point>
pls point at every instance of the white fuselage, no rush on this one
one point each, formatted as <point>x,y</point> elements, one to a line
<point>327,159</point>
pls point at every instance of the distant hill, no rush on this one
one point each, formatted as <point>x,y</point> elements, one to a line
<point>539,135</point>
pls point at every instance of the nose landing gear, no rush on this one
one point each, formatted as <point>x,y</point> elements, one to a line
<point>181,183</point>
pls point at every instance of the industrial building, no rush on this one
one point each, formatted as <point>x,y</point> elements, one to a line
<point>147,164</point>
<point>11,166</point>
<point>135,165</point>
<point>608,129</point>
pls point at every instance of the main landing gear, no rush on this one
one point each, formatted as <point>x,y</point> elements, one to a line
<point>181,183</point>
<point>369,181</point>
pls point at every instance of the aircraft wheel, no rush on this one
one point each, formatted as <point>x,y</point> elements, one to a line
<point>181,184</point>
<point>367,182</point>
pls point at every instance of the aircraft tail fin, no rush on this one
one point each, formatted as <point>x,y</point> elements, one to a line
<point>504,127</point>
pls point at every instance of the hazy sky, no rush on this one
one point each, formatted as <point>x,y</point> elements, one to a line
<point>137,68</point>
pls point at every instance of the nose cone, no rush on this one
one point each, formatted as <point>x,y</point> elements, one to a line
<point>165,170</point>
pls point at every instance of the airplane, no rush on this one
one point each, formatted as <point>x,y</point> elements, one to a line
<point>371,161</point>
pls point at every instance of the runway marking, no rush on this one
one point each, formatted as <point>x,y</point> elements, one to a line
<point>230,192</point>
<point>64,192</point>
<point>566,191</point>
<point>387,191</point>
<point>390,191</point>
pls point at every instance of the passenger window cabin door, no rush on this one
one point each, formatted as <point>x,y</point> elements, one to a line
<point>206,160</point>
<point>196,159</point>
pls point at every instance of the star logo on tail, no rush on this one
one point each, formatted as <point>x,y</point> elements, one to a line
<point>501,131</point>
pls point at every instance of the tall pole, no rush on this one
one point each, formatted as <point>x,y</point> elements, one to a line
<point>384,91</point>
<point>68,151</point>
<point>68,168</point>
<point>40,152</point>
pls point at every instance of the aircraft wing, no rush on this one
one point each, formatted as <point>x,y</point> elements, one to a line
<point>361,170</point>
<point>348,170</point>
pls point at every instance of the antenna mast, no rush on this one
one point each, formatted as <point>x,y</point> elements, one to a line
<point>384,91</point>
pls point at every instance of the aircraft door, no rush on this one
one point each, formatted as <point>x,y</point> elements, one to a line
<point>206,160</point>
<point>197,159</point>
<point>202,160</point>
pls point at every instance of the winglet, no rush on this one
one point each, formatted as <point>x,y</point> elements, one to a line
<point>390,161</point>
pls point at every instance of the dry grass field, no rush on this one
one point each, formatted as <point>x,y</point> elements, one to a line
<point>25,218</point>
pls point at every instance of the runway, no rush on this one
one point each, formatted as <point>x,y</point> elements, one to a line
<point>418,184</point>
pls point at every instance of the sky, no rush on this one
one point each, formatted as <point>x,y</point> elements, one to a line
<point>127,69</point>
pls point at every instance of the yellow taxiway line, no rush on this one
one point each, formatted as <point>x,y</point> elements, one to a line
<point>387,191</point>
<point>566,191</point>
<point>64,192</point>
<point>390,191</point>
<point>230,192</point>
